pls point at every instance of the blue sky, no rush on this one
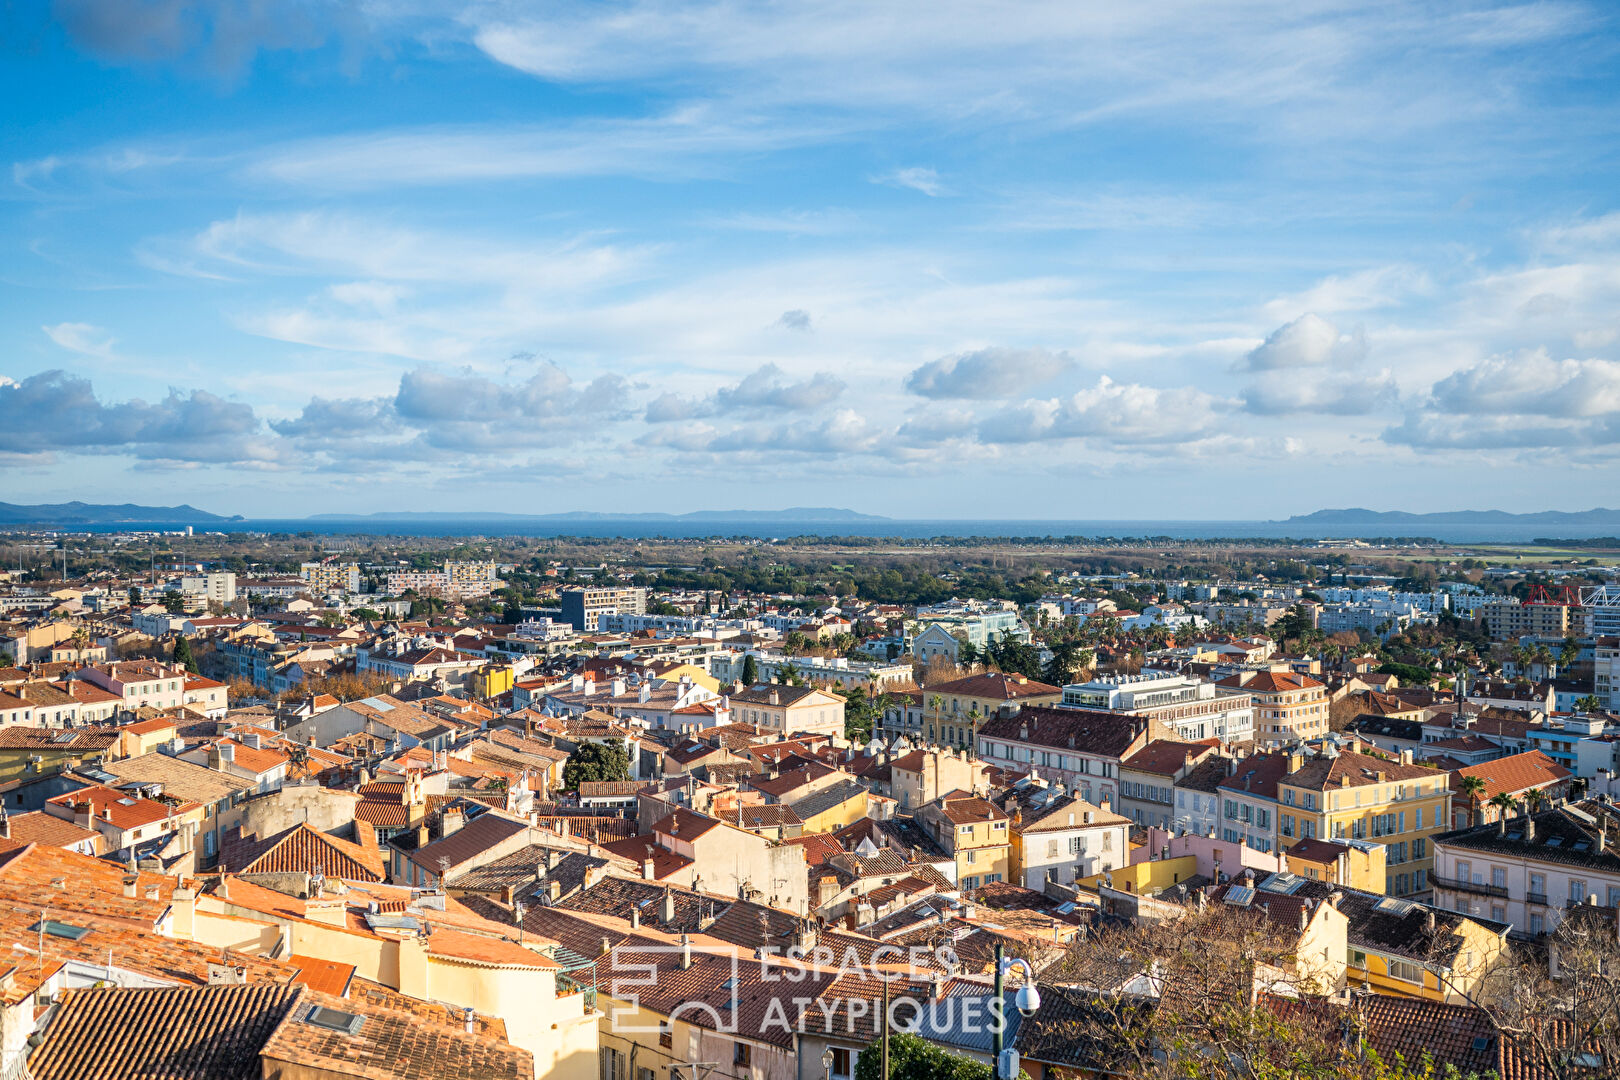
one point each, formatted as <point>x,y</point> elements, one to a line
<point>1070,260</point>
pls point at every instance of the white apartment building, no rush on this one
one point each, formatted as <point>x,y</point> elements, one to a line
<point>1190,707</point>
<point>218,586</point>
<point>1529,870</point>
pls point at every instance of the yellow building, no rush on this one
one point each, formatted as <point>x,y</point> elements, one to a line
<point>830,808</point>
<point>1359,797</point>
<point>952,711</point>
<point>1287,705</point>
<point>1356,863</point>
<point>975,833</point>
<point>491,681</point>
<point>1147,877</point>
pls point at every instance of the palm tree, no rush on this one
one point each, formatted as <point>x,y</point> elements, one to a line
<point>1504,803</point>
<point>937,703</point>
<point>1473,789</point>
<point>80,640</point>
<point>1589,703</point>
<point>1533,800</point>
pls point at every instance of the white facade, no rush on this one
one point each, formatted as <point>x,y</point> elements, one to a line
<point>1191,707</point>
<point>218,586</point>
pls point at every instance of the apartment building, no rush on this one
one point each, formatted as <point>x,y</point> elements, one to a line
<point>1606,672</point>
<point>1056,837</point>
<point>789,710</point>
<point>1191,707</point>
<point>139,683</point>
<point>218,586</point>
<point>1249,800</point>
<point>1081,747</point>
<point>1507,619</point>
<point>975,833</point>
<point>329,577</point>
<point>953,710</point>
<point>1336,795</point>
<point>1531,869</point>
<point>1287,706</point>
<point>581,607</point>
<point>1147,780</point>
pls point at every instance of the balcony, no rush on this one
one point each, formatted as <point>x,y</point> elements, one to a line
<point>1474,887</point>
<point>1536,898</point>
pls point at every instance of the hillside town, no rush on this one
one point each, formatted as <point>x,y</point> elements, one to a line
<point>525,820</point>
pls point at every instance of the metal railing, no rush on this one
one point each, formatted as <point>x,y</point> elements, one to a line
<point>1458,885</point>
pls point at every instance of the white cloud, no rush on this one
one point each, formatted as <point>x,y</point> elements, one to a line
<point>916,178</point>
<point>1322,396</point>
<point>1309,341</point>
<point>82,338</point>
<point>1124,414</point>
<point>994,372</point>
<point>1532,383</point>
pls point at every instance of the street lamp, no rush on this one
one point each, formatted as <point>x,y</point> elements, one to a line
<point>1028,1000</point>
<point>827,1062</point>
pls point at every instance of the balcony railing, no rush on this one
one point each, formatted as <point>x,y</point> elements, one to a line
<point>1536,898</point>
<point>1457,885</point>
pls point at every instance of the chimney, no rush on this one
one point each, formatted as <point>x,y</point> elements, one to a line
<point>666,909</point>
<point>554,890</point>
<point>131,883</point>
<point>450,822</point>
<point>1333,899</point>
<point>686,952</point>
<point>607,947</point>
<point>647,868</point>
<point>635,918</point>
<point>469,1020</point>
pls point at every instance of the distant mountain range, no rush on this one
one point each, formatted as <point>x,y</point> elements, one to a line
<point>79,513</point>
<point>793,514</point>
<point>1359,516</point>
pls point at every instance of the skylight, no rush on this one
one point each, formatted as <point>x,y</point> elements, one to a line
<point>60,929</point>
<point>1240,895</point>
<point>334,1020</point>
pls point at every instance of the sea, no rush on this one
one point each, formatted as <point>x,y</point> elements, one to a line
<point>634,528</point>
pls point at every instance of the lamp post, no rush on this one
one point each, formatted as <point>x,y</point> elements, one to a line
<point>826,1062</point>
<point>1028,1001</point>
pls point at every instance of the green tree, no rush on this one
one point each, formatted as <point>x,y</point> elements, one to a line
<point>182,655</point>
<point>1589,703</point>
<point>750,670</point>
<point>175,603</point>
<point>596,761</point>
<point>134,596</point>
<point>914,1058</point>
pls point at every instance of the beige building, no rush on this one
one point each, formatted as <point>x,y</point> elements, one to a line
<point>789,710</point>
<point>952,711</point>
<point>1287,706</point>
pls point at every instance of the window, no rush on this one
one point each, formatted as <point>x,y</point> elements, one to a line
<point>1538,884</point>
<point>666,1036</point>
<point>1614,895</point>
<point>970,883</point>
<point>1538,924</point>
<point>1462,869</point>
<point>1577,890</point>
<point>1358,959</point>
<point>843,1063</point>
<point>1405,971</point>
<point>742,1054</point>
<point>972,856</point>
<point>1051,849</point>
<point>1288,824</point>
<point>1499,876</point>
